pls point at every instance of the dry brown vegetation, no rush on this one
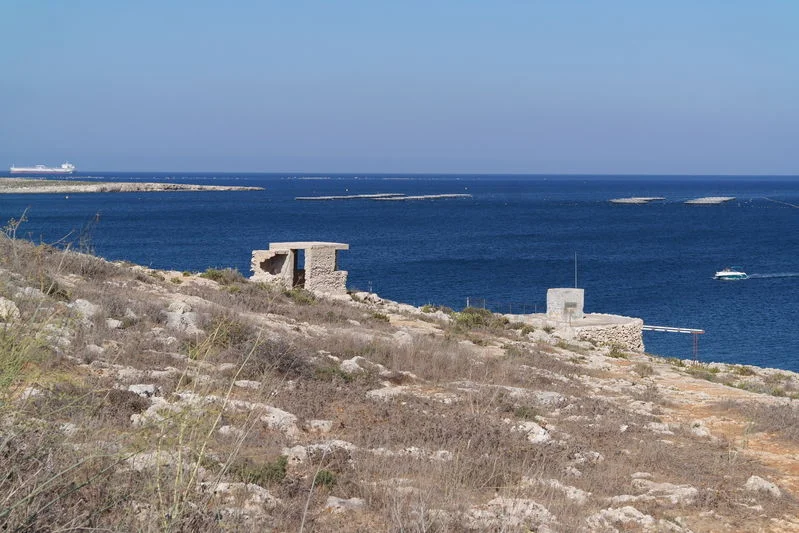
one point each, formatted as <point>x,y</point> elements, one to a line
<point>132,399</point>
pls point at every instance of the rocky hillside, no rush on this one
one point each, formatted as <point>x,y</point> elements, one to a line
<point>142,400</point>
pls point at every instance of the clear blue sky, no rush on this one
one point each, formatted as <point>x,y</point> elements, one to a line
<point>682,86</point>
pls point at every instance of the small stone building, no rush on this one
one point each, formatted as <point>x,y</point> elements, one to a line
<point>565,304</point>
<point>309,265</point>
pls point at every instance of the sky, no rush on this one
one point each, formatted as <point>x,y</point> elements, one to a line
<point>444,86</point>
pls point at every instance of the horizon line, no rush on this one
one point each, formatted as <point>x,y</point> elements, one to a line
<point>455,173</point>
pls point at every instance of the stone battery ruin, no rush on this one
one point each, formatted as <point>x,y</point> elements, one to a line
<point>310,265</point>
<point>567,319</point>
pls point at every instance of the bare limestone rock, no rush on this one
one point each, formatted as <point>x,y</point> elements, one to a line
<point>503,513</point>
<point>340,505</point>
<point>662,493</point>
<point>247,498</point>
<point>626,518</point>
<point>180,317</point>
<point>145,391</point>
<point>247,384</point>
<point>535,433</point>
<point>578,496</point>
<point>758,484</point>
<point>85,307</point>
<point>8,310</point>
<point>319,426</point>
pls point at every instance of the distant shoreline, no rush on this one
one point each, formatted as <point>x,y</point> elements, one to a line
<point>40,186</point>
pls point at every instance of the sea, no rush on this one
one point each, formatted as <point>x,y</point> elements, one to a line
<point>500,248</point>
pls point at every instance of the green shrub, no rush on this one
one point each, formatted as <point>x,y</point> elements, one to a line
<point>381,317</point>
<point>332,373</point>
<point>743,370</point>
<point>261,474</point>
<point>525,413</point>
<point>300,296</point>
<point>325,478</point>
<point>616,352</point>
<point>474,317</point>
<point>225,276</point>
<point>430,308</point>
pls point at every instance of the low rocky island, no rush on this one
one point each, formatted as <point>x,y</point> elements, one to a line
<point>637,200</point>
<point>710,200</point>
<point>40,186</point>
<point>134,399</point>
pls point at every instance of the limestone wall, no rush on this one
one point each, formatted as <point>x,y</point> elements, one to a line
<point>273,266</point>
<point>321,274</point>
<point>627,335</point>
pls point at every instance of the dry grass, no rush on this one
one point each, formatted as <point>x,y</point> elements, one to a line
<point>68,440</point>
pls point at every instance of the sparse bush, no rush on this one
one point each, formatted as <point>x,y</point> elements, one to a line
<point>332,373</point>
<point>643,369</point>
<point>703,372</point>
<point>430,308</point>
<point>301,296</point>
<point>476,317</point>
<point>265,474</point>
<point>224,276</point>
<point>617,352</point>
<point>525,413</point>
<point>325,478</point>
<point>382,317</point>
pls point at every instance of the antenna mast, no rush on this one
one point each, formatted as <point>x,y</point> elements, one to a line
<point>575,270</point>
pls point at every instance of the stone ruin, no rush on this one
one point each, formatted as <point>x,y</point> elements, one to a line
<point>309,265</point>
<point>565,310</point>
<point>568,321</point>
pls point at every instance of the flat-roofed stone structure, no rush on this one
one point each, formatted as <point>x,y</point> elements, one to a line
<point>565,304</point>
<point>310,265</point>
<point>566,320</point>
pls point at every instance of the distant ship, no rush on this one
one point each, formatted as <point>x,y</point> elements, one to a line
<point>65,168</point>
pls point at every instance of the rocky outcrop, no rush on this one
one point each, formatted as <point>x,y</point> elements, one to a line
<point>37,186</point>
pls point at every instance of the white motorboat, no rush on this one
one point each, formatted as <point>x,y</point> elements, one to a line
<point>730,274</point>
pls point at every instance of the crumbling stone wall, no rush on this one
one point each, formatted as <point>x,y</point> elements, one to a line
<point>627,336</point>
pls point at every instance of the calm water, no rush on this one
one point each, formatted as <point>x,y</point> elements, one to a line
<point>502,248</point>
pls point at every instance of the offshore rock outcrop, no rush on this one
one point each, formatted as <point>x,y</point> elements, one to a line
<point>38,186</point>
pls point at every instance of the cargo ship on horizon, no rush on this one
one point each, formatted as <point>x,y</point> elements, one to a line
<point>65,168</point>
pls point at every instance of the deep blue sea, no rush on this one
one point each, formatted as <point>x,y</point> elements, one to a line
<point>502,248</point>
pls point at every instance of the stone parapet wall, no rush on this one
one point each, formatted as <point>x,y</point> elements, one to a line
<point>627,336</point>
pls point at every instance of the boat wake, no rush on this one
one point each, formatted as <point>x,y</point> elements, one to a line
<point>776,275</point>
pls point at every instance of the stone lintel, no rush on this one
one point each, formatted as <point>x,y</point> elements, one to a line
<point>306,245</point>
